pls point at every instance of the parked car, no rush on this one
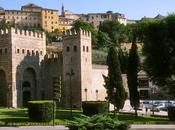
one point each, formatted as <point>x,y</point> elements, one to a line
<point>154,108</point>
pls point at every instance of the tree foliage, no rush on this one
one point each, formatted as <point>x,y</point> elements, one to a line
<point>159,49</point>
<point>123,58</point>
<point>132,76</point>
<point>4,25</point>
<point>53,36</point>
<point>115,31</point>
<point>113,82</point>
<point>86,26</point>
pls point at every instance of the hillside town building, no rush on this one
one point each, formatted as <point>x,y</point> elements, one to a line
<point>31,17</point>
<point>97,18</point>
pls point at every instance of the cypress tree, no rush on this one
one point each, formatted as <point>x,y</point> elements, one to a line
<point>113,82</point>
<point>132,76</point>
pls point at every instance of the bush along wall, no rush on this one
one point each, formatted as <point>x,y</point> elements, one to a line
<point>94,107</point>
<point>41,111</point>
<point>171,113</point>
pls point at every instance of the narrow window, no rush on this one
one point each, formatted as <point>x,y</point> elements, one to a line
<point>33,53</point>
<point>83,48</point>
<point>41,52</point>
<point>18,51</point>
<point>28,52</point>
<point>23,51</point>
<point>6,50</point>
<point>0,51</point>
<point>87,49</point>
<point>67,49</point>
<point>37,53</point>
<point>75,48</point>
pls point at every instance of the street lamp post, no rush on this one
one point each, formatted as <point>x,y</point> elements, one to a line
<point>96,94</point>
<point>152,93</point>
<point>70,74</point>
<point>86,93</point>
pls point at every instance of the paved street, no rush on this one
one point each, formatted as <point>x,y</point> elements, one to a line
<point>133,127</point>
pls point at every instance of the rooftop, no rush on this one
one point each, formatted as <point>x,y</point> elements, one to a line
<point>31,5</point>
<point>1,8</point>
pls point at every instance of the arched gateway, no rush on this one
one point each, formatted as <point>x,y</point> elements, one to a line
<point>28,86</point>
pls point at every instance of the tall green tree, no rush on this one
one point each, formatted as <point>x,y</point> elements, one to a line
<point>123,58</point>
<point>115,31</point>
<point>132,71</point>
<point>113,82</point>
<point>159,50</point>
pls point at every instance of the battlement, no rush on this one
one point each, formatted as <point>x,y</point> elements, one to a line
<point>22,33</point>
<point>76,33</point>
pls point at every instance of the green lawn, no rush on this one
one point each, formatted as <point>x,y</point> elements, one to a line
<point>19,117</point>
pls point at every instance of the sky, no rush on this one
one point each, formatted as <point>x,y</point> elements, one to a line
<point>133,9</point>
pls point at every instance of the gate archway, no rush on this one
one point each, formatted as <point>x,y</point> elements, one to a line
<point>28,86</point>
<point>3,89</point>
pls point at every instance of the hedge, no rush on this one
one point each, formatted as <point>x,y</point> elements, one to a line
<point>94,107</point>
<point>41,111</point>
<point>97,122</point>
<point>171,113</point>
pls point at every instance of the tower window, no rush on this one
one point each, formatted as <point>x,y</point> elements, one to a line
<point>6,50</point>
<point>18,51</point>
<point>23,51</point>
<point>75,48</point>
<point>87,49</point>
<point>33,53</point>
<point>68,49</point>
<point>41,52</point>
<point>37,53</point>
<point>28,52</point>
<point>83,48</point>
<point>0,51</point>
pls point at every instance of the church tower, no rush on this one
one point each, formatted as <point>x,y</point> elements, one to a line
<point>77,67</point>
<point>62,11</point>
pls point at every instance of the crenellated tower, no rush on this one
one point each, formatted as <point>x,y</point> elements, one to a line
<point>21,53</point>
<point>77,67</point>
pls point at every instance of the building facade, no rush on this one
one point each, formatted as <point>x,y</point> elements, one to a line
<point>31,17</point>
<point>97,18</point>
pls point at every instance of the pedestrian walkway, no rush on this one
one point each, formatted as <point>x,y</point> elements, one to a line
<point>152,127</point>
<point>133,127</point>
<point>35,128</point>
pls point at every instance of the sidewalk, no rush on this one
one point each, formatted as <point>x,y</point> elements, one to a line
<point>133,127</point>
<point>35,128</point>
<point>152,127</point>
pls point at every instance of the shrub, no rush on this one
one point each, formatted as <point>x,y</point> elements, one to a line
<point>41,111</point>
<point>171,113</point>
<point>97,122</point>
<point>94,107</point>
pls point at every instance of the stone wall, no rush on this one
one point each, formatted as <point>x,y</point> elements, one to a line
<point>51,68</point>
